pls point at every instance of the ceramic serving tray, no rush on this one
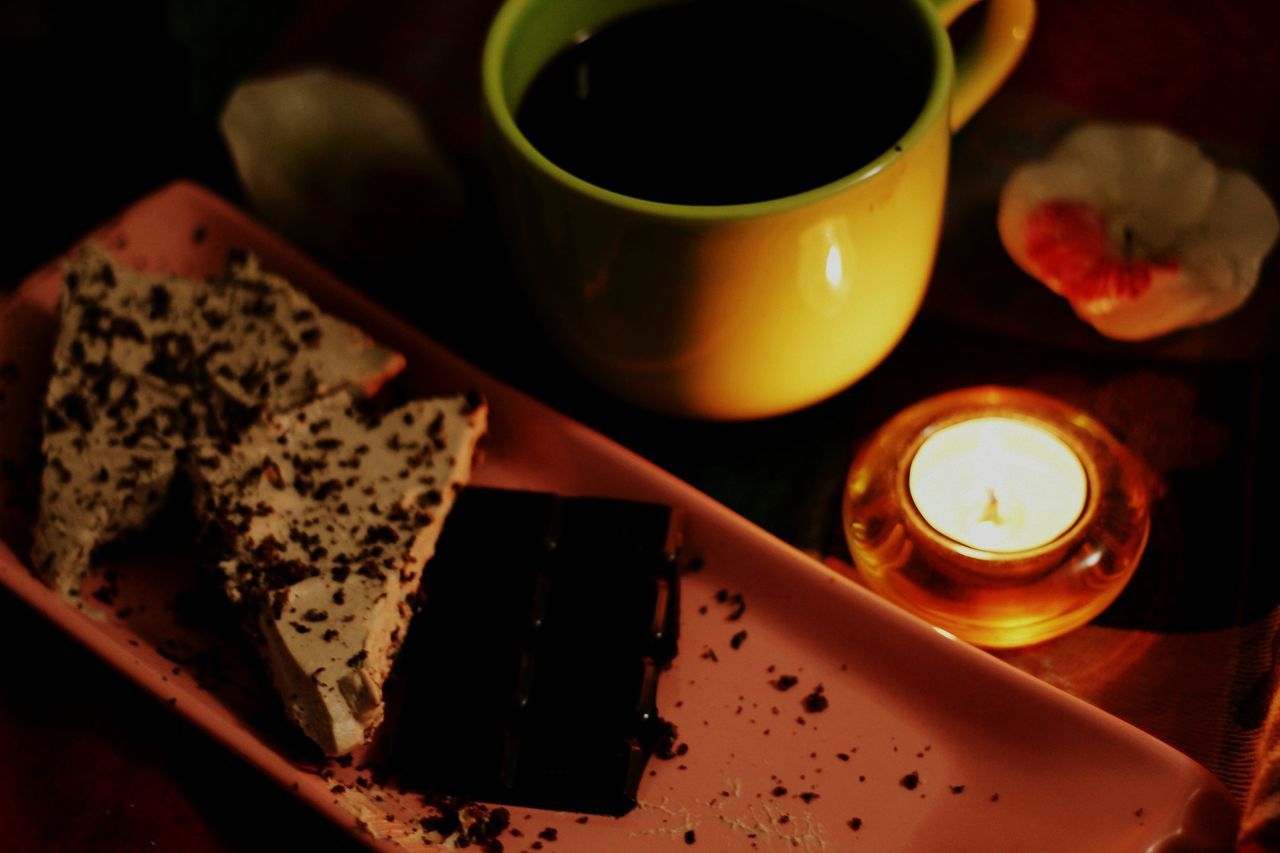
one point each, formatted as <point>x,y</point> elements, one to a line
<point>922,743</point>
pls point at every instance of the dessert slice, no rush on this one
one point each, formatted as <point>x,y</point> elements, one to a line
<point>145,364</point>
<point>322,521</point>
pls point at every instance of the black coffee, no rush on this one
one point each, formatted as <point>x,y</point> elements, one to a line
<point>721,102</point>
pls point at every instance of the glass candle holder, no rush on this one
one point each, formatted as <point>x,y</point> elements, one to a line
<point>1001,516</point>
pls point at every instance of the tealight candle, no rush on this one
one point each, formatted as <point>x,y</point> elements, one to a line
<point>998,484</point>
<point>1001,516</point>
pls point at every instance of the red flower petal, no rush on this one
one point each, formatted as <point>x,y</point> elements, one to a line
<point>1068,243</point>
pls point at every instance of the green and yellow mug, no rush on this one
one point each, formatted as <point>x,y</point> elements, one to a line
<point>741,310</point>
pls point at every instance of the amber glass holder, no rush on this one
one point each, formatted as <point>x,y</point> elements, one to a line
<point>996,600</point>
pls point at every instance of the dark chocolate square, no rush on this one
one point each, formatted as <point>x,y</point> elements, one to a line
<point>531,670</point>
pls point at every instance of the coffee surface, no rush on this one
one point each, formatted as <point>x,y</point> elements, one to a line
<point>714,102</point>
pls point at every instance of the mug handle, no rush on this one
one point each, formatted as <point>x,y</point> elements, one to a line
<point>986,64</point>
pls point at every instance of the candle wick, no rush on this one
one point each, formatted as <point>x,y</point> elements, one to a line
<point>991,512</point>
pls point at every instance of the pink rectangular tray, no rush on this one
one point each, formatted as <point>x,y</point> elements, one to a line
<point>1002,760</point>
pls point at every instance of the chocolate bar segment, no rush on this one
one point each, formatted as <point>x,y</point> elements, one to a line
<point>532,668</point>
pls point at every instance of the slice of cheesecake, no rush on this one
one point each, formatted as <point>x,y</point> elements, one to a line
<point>321,521</point>
<point>145,364</point>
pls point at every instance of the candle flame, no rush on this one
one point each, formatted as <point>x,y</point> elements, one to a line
<point>991,513</point>
<point>992,522</point>
<point>990,462</point>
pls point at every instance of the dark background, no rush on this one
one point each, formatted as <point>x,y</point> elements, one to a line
<point>102,103</point>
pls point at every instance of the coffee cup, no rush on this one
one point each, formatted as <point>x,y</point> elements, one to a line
<point>737,306</point>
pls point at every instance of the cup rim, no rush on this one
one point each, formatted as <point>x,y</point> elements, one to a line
<point>936,102</point>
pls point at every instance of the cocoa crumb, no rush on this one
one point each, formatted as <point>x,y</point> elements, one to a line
<point>737,639</point>
<point>784,682</point>
<point>815,702</point>
<point>910,781</point>
<point>664,746</point>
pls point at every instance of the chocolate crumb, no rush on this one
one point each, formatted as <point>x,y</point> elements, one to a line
<point>855,823</point>
<point>843,756</point>
<point>785,682</point>
<point>582,819</point>
<point>1139,812</point>
<point>473,400</point>
<point>779,791</point>
<point>664,745</point>
<point>995,798</point>
<point>957,789</point>
<point>910,781</point>
<point>737,639</point>
<point>690,838</point>
<point>809,796</point>
<point>815,702</point>
<point>548,834</point>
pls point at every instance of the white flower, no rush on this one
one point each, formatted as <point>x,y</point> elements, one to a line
<point>1138,229</point>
